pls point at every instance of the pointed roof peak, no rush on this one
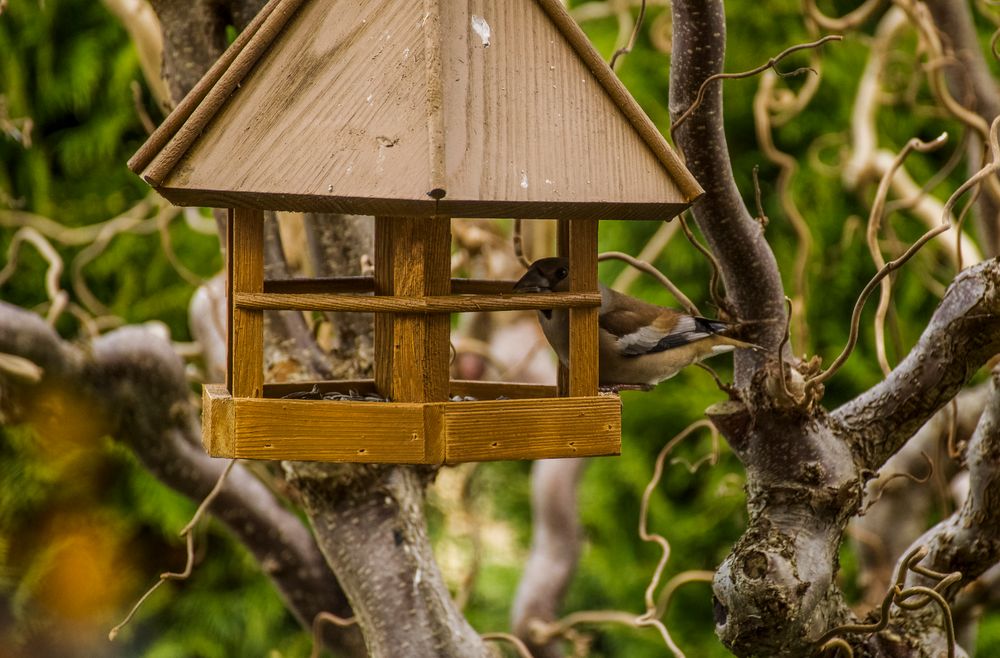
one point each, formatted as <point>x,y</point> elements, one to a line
<point>440,107</point>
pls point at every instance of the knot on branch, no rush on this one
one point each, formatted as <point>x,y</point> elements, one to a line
<point>769,591</point>
<point>732,418</point>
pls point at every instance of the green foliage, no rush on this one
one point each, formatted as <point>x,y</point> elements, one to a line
<point>68,66</point>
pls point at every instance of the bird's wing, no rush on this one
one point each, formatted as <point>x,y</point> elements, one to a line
<point>642,328</point>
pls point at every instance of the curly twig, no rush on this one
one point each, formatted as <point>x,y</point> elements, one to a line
<point>649,253</point>
<point>188,533</point>
<point>770,64</point>
<point>631,41</point>
<point>761,216</point>
<point>317,629</point>
<point>522,649</point>
<point>899,596</point>
<point>518,241</point>
<point>987,170</point>
<point>875,218</point>
<point>675,583</point>
<point>852,339</point>
<point>57,296</point>
<point>901,474</point>
<point>849,21</point>
<point>542,632</point>
<point>788,166</point>
<point>718,298</point>
<point>656,274</point>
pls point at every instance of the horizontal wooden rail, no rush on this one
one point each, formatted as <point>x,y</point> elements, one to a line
<point>430,304</point>
<point>483,390</point>
<point>358,284</point>
<point>362,284</point>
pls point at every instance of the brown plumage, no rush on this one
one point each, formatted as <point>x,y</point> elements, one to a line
<point>640,343</point>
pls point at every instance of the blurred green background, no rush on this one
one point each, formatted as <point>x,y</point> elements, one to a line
<point>84,529</point>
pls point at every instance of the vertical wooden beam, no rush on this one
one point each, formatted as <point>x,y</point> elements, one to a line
<point>413,257</point>
<point>383,351</point>
<point>578,240</point>
<point>245,260</point>
<point>229,299</point>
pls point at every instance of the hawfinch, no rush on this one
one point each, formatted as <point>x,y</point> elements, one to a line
<point>640,344</point>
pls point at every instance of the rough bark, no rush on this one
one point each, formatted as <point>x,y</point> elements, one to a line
<point>889,527</point>
<point>749,270</point>
<point>775,593</point>
<point>969,540</point>
<point>370,523</point>
<point>555,548</point>
<point>963,333</point>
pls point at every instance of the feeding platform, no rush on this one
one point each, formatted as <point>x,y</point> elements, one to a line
<point>413,113</point>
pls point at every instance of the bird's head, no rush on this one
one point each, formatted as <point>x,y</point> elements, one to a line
<point>545,275</point>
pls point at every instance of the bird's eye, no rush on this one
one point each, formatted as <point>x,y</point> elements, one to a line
<point>562,272</point>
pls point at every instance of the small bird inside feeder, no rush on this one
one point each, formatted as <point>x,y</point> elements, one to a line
<point>640,344</point>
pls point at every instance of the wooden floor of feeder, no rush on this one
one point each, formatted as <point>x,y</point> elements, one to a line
<point>530,427</point>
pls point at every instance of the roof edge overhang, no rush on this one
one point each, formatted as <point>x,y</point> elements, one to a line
<point>159,155</point>
<point>470,208</point>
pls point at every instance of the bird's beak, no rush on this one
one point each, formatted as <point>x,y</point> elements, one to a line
<point>532,281</point>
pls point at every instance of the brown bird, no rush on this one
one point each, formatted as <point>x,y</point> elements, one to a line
<point>640,344</point>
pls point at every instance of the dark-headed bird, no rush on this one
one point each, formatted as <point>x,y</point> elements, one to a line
<point>640,344</point>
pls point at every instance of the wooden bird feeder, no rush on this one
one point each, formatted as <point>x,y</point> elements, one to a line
<point>413,112</point>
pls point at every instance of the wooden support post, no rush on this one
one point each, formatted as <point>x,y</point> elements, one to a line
<point>245,267</point>
<point>577,239</point>
<point>412,257</point>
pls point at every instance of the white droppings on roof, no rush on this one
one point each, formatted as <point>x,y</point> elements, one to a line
<point>482,28</point>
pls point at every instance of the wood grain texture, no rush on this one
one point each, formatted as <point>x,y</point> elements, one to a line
<point>583,347</point>
<point>416,261</point>
<point>528,120</point>
<point>217,421</point>
<point>243,62</point>
<point>532,429</point>
<point>402,433</point>
<point>325,430</point>
<point>246,348</point>
<point>368,107</point>
<point>339,102</point>
<point>363,284</point>
<point>166,130</point>
<point>689,187</point>
<point>230,302</point>
<point>424,207</point>
<point>383,331</point>
<point>434,304</point>
<point>485,390</point>
<point>482,390</point>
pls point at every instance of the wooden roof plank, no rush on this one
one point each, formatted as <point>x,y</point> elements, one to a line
<point>338,108</point>
<point>242,63</point>
<point>166,130</point>
<point>380,107</point>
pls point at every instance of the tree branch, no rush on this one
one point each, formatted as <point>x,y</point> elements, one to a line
<point>749,269</point>
<point>969,540</point>
<point>133,387</point>
<point>370,525</point>
<point>962,335</point>
<point>555,548</point>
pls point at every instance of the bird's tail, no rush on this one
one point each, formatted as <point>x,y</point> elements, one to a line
<point>731,331</point>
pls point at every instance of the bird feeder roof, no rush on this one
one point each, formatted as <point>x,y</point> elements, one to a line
<point>462,108</point>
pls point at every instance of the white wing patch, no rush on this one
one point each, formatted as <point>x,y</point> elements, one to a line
<point>650,339</point>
